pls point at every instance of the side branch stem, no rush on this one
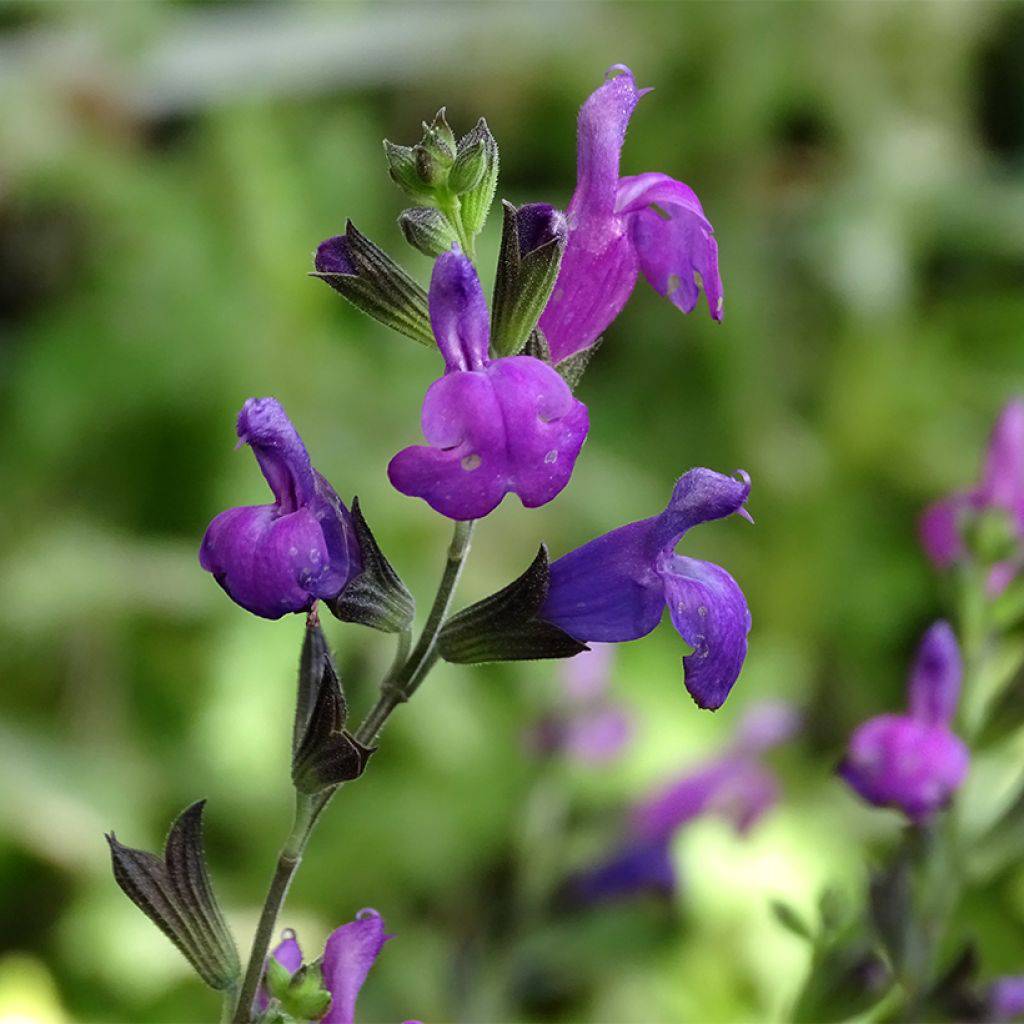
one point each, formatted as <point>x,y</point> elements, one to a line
<point>287,863</point>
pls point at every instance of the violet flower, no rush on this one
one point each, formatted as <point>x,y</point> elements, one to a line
<point>279,558</point>
<point>493,426</point>
<point>737,786</point>
<point>349,953</point>
<point>590,727</point>
<point>1006,998</point>
<point>914,762</point>
<point>620,226</point>
<point>943,524</point>
<point>616,587</point>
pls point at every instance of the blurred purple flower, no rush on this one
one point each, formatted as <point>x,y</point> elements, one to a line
<point>492,425</point>
<point>737,786</point>
<point>914,762</point>
<point>620,226</point>
<point>589,727</point>
<point>616,587</point>
<point>280,558</point>
<point>1001,487</point>
<point>349,953</point>
<point>1006,998</point>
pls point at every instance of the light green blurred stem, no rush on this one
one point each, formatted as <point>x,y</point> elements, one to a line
<point>403,679</point>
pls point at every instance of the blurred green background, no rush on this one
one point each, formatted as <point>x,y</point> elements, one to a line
<point>166,171</point>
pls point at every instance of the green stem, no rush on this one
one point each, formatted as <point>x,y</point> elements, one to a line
<point>453,211</point>
<point>230,997</point>
<point>287,863</point>
<point>398,688</point>
<point>403,678</point>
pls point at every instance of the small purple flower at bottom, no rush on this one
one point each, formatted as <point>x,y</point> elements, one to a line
<point>620,226</point>
<point>1006,998</point>
<point>615,588</point>
<point>1002,488</point>
<point>493,426</point>
<point>280,558</point>
<point>349,953</point>
<point>914,762</point>
<point>737,786</point>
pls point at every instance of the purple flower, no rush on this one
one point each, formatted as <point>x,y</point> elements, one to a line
<point>620,226</point>
<point>736,786</point>
<point>492,425</point>
<point>349,953</point>
<point>616,587</point>
<point>1001,487</point>
<point>279,558</point>
<point>913,762</point>
<point>1006,998</point>
<point>590,728</point>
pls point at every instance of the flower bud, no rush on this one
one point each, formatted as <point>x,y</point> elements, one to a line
<point>468,169</point>
<point>427,230</point>
<point>532,242</point>
<point>404,171</point>
<point>373,282</point>
<point>476,203</point>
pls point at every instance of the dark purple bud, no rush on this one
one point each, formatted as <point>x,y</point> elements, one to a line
<point>280,558</point>
<point>935,677</point>
<point>374,283</point>
<point>532,241</point>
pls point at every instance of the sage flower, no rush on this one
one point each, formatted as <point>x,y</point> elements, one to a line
<point>914,762</point>
<point>280,558</point>
<point>493,426</point>
<point>736,786</point>
<point>1001,489</point>
<point>616,587</point>
<point>349,953</point>
<point>621,226</point>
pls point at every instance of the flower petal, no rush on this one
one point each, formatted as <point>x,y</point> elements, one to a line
<point>699,496</point>
<point>1005,998</point>
<point>597,276</point>
<point>710,612</point>
<point>939,530</point>
<point>268,563</point>
<point>288,954</point>
<point>633,869</point>
<point>265,427</point>
<point>936,676</point>
<point>348,956</point>
<point>663,813</point>
<point>607,590</point>
<point>674,241</point>
<point>1002,483</point>
<point>458,312</point>
<point>511,427</point>
<point>601,132</point>
<point>897,761</point>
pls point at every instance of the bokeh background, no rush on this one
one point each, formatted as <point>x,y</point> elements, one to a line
<point>165,173</point>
